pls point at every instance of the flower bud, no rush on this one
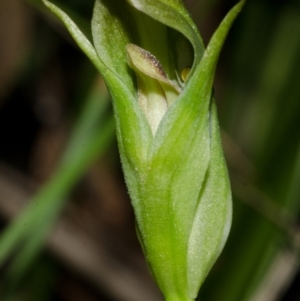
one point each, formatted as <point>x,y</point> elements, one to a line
<point>155,91</point>
<point>167,131</point>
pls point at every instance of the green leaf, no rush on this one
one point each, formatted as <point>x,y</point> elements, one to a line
<point>46,205</point>
<point>131,122</point>
<point>185,180</point>
<point>78,35</point>
<point>173,14</point>
<point>213,216</point>
<point>113,29</point>
<point>176,176</point>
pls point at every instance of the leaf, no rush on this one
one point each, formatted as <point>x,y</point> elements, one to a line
<point>178,176</point>
<point>81,39</point>
<point>211,223</point>
<point>45,206</point>
<point>133,131</point>
<point>113,29</point>
<point>173,14</point>
<point>178,182</point>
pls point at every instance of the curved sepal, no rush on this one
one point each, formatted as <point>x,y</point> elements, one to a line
<point>78,34</point>
<point>173,14</point>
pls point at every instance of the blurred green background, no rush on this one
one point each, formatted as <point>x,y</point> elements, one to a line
<point>67,227</point>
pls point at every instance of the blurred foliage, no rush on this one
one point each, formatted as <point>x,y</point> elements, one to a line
<point>56,122</point>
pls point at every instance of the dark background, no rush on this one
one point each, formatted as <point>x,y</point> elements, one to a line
<point>87,249</point>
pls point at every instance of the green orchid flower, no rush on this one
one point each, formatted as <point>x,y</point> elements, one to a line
<point>160,77</point>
